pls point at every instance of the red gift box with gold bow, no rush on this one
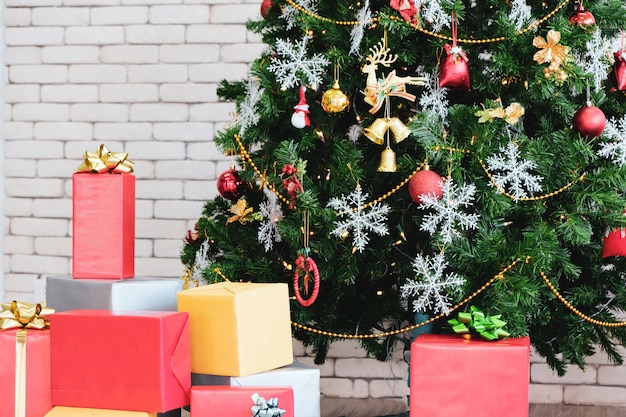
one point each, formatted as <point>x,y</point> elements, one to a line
<point>103,217</point>
<point>25,364</point>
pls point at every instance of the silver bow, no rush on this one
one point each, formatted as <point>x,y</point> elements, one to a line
<point>263,408</point>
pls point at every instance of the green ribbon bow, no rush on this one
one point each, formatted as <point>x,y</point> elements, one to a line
<point>475,321</point>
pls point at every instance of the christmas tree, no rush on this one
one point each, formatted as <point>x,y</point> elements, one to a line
<point>429,156</point>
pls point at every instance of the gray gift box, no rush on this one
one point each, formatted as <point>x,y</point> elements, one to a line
<point>65,293</point>
<point>303,379</point>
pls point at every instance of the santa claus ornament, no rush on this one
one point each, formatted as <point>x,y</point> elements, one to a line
<point>300,116</point>
<point>454,71</point>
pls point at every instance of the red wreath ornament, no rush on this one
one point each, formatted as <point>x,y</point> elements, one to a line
<point>306,265</point>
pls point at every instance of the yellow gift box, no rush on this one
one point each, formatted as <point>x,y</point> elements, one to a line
<point>238,328</point>
<point>59,411</point>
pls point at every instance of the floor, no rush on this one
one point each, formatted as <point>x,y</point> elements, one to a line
<point>551,410</point>
<point>535,410</point>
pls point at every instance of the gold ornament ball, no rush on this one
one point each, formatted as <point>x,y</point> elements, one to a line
<point>335,100</point>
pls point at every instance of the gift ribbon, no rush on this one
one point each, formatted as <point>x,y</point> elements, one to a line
<point>23,316</point>
<point>263,408</point>
<point>20,373</point>
<point>103,160</point>
<point>475,321</point>
<point>454,49</point>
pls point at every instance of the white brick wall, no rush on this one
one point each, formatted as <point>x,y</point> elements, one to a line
<point>141,77</point>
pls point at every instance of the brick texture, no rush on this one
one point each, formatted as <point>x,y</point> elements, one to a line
<point>141,77</point>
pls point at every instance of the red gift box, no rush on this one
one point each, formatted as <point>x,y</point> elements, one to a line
<point>103,225</point>
<point>220,401</point>
<point>136,361</point>
<point>37,361</point>
<point>454,376</point>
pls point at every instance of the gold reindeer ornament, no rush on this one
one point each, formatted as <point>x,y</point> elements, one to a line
<point>378,89</point>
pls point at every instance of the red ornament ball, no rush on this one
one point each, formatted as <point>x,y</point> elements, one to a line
<point>266,5</point>
<point>230,186</point>
<point>425,182</point>
<point>589,121</point>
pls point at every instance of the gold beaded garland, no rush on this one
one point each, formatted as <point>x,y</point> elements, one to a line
<point>374,20</point>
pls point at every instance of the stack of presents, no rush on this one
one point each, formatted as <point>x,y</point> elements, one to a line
<point>107,343</point>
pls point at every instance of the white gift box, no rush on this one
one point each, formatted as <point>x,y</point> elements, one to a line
<point>65,293</point>
<point>303,379</point>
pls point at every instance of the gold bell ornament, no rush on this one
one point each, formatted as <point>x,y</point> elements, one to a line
<point>377,130</point>
<point>387,161</point>
<point>400,130</point>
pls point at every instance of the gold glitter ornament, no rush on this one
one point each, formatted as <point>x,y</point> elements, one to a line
<point>334,100</point>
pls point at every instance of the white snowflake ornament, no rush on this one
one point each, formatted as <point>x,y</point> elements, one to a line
<point>520,13</point>
<point>272,213</point>
<point>596,59</point>
<point>289,12</point>
<point>615,147</point>
<point>447,216</point>
<point>433,100</point>
<point>364,19</point>
<point>431,286</point>
<point>247,112</point>
<point>202,261</point>
<point>295,67</point>
<point>358,219</point>
<point>433,12</point>
<point>512,174</point>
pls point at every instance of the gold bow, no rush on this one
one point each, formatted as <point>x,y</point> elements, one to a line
<point>549,49</point>
<point>103,160</point>
<point>242,213</point>
<point>17,314</point>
